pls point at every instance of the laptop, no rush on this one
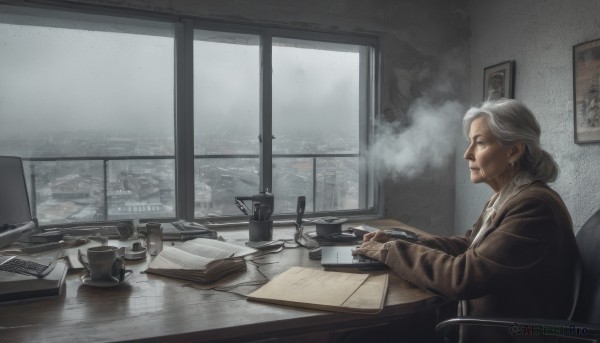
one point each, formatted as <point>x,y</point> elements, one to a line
<point>15,214</point>
<point>15,264</point>
<point>341,256</point>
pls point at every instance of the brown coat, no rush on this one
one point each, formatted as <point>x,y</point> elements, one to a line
<point>522,268</point>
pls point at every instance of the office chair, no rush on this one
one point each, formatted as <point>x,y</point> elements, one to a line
<point>586,309</point>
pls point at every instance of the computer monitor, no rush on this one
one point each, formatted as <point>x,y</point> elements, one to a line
<point>14,201</point>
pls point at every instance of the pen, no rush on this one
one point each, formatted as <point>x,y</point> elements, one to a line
<point>237,203</point>
<point>300,210</point>
<point>256,211</point>
<point>246,207</point>
<point>263,212</point>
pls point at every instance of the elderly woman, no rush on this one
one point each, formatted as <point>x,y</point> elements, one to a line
<point>518,259</point>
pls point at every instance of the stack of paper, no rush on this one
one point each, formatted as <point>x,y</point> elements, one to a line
<point>324,290</point>
<point>200,260</point>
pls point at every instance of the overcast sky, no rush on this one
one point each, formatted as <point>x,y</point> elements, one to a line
<point>54,80</point>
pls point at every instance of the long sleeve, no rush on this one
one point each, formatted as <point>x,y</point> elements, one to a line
<point>515,250</point>
<point>454,245</point>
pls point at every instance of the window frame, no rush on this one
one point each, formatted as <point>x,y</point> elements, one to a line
<point>183,120</point>
<point>369,105</point>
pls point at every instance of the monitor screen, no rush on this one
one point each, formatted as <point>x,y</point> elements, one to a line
<point>14,201</point>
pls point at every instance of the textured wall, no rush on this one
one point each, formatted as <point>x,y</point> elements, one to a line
<point>539,35</point>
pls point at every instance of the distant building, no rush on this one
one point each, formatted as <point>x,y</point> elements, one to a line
<point>71,187</point>
<point>139,210</point>
<point>329,196</point>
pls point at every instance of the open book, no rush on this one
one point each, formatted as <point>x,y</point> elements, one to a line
<point>325,290</point>
<point>200,260</point>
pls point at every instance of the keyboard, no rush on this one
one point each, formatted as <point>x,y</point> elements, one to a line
<point>25,267</point>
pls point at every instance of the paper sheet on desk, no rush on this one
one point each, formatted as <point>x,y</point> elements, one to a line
<point>325,290</point>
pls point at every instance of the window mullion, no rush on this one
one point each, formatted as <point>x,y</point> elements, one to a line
<point>363,126</point>
<point>184,120</point>
<point>266,114</point>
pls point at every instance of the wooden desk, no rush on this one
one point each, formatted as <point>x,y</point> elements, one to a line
<point>156,308</point>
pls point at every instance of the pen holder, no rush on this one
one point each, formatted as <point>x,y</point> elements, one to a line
<point>261,230</point>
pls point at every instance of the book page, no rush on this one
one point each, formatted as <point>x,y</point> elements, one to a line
<point>214,249</point>
<point>214,271</point>
<point>199,249</point>
<point>175,258</point>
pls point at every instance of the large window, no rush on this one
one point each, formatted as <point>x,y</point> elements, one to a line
<point>98,107</point>
<point>320,95</point>
<point>88,100</point>
<point>316,116</point>
<point>226,113</point>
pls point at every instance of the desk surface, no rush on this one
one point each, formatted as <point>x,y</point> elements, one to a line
<point>152,307</point>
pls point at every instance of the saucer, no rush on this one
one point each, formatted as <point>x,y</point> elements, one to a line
<point>87,280</point>
<point>131,254</point>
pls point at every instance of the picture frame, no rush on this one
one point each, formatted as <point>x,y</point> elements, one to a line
<point>498,81</point>
<point>586,92</point>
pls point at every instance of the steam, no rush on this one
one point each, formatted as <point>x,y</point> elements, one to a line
<point>427,142</point>
<point>422,136</point>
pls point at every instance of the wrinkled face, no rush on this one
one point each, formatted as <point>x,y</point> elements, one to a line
<point>488,159</point>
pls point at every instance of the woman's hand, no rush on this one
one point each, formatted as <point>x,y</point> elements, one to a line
<point>373,249</point>
<point>377,236</point>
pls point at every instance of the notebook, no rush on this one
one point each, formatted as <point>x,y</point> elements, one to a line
<point>341,256</point>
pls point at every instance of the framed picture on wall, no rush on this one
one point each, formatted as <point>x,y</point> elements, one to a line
<point>586,92</point>
<point>498,81</point>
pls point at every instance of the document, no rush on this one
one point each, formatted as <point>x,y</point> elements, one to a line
<point>325,290</point>
<point>200,260</point>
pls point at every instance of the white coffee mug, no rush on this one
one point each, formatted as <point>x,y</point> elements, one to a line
<point>103,263</point>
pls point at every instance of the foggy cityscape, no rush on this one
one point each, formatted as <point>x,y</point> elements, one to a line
<point>72,190</point>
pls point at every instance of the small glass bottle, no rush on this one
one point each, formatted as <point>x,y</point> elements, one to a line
<point>154,239</point>
<point>136,229</point>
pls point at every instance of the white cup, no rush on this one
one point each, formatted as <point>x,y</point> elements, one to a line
<point>103,263</point>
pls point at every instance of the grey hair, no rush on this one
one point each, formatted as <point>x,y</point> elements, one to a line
<point>510,122</point>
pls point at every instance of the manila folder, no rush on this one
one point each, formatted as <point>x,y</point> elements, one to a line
<point>325,290</point>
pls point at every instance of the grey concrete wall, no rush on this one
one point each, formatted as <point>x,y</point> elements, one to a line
<point>539,35</point>
<point>421,40</point>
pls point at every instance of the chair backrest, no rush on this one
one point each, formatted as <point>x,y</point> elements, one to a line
<point>588,241</point>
